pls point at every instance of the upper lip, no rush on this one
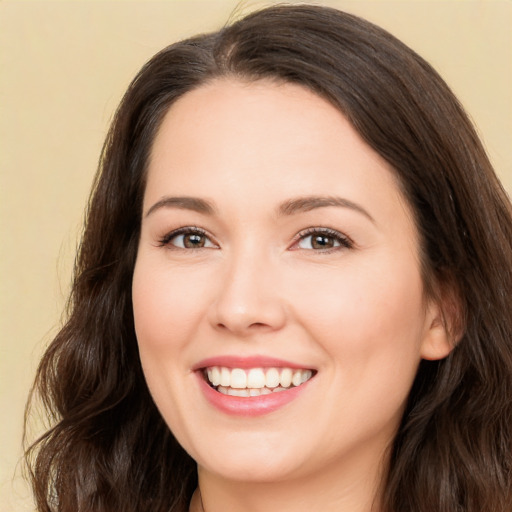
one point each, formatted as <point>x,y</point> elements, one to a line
<point>257,361</point>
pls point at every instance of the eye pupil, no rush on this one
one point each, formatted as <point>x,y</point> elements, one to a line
<point>193,240</point>
<point>322,242</point>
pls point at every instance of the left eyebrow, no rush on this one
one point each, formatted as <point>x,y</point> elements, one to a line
<point>184,203</point>
<point>308,203</point>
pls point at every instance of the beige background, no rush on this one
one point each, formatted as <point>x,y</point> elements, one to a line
<point>63,68</point>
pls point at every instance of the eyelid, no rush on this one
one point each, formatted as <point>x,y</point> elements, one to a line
<point>345,241</point>
<point>165,240</point>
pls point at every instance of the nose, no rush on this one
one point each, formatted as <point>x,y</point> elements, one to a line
<point>248,299</point>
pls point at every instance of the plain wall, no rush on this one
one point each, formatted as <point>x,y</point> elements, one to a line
<point>63,68</point>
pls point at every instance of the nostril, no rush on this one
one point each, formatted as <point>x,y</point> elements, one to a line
<point>241,328</point>
<point>259,325</point>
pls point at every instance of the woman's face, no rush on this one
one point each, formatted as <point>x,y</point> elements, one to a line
<point>276,246</point>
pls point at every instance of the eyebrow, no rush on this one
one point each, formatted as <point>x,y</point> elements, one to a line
<point>308,203</point>
<point>290,207</point>
<point>185,203</point>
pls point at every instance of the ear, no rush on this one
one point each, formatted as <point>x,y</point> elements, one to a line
<point>436,340</point>
<point>443,325</point>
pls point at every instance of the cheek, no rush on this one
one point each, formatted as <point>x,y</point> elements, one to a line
<point>371,315</point>
<point>166,306</point>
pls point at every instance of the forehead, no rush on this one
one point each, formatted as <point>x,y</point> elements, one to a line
<point>232,140</point>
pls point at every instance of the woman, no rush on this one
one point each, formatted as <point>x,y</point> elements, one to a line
<point>293,289</point>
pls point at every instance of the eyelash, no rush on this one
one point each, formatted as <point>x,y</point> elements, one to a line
<point>189,230</point>
<point>343,241</point>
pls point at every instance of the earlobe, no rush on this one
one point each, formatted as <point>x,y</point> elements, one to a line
<point>437,343</point>
<point>444,321</point>
<point>442,332</point>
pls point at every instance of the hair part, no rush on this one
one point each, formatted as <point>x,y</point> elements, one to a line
<point>453,451</point>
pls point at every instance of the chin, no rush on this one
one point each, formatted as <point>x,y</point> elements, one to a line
<point>260,462</point>
<point>253,471</point>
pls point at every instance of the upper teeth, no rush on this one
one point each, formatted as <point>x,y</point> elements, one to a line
<point>256,378</point>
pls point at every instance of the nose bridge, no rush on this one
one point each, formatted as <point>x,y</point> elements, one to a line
<point>248,294</point>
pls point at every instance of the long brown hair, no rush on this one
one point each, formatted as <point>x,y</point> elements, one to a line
<point>109,449</point>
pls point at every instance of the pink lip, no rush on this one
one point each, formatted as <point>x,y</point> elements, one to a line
<point>247,362</point>
<point>248,406</point>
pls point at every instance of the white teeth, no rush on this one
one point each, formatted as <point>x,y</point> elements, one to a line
<point>214,376</point>
<point>225,377</point>
<point>297,378</point>
<point>272,378</point>
<point>256,378</point>
<point>255,381</point>
<point>238,392</point>
<point>306,375</point>
<point>286,377</point>
<point>238,379</point>
<point>247,392</point>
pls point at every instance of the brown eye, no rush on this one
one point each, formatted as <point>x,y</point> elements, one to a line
<point>187,238</point>
<point>193,240</point>
<point>323,240</point>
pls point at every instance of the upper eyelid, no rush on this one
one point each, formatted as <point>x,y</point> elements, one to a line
<point>346,241</point>
<point>319,229</point>
<point>322,230</point>
<point>165,239</point>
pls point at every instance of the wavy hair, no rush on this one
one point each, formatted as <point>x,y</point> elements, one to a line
<point>109,449</point>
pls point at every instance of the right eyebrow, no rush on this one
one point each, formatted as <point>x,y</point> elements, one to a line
<point>308,203</point>
<point>183,202</point>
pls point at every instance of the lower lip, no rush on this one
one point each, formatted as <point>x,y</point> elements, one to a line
<point>249,406</point>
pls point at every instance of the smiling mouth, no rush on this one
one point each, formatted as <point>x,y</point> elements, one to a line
<point>254,381</point>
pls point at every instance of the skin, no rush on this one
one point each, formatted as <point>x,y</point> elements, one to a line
<point>357,314</point>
